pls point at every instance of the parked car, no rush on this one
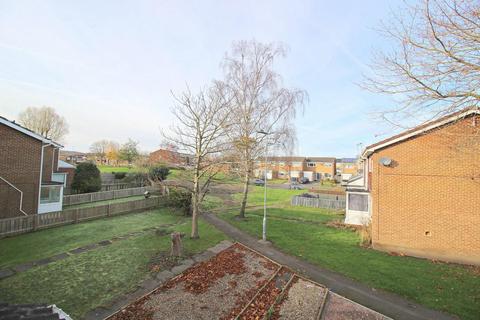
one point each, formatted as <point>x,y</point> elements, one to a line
<point>295,186</point>
<point>259,182</point>
<point>303,180</point>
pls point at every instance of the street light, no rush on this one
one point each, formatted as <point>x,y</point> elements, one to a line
<point>264,228</point>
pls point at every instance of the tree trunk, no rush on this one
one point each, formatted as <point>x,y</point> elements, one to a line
<point>245,194</point>
<point>195,204</point>
<point>177,248</point>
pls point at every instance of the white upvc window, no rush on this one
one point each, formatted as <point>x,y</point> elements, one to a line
<point>60,177</point>
<point>358,202</point>
<point>311,164</point>
<point>50,194</point>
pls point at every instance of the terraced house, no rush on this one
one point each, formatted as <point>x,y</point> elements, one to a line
<point>30,182</point>
<point>421,190</point>
<point>313,168</point>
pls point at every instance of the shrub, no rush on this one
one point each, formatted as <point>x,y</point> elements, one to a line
<point>180,199</point>
<point>158,173</point>
<point>119,175</point>
<point>365,232</point>
<point>86,178</point>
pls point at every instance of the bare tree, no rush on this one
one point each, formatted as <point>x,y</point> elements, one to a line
<point>434,66</point>
<point>259,102</point>
<point>44,121</point>
<point>202,120</point>
<point>100,148</point>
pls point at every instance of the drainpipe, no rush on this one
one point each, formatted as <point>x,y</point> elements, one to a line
<point>21,195</point>
<point>41,173</point>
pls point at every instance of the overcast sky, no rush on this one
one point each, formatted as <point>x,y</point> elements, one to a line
<point>108,66</point>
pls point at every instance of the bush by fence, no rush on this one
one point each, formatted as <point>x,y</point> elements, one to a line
<point>24,224</point>
<point>105,195</point>
<point>323,202</point>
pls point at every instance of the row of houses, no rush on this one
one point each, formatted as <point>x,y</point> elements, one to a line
<point>420,190</point>
<point>312,168</point>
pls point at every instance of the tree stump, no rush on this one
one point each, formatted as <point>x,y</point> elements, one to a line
<point>177,248</point>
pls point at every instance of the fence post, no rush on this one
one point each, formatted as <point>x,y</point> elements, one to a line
<point>108,210</point>
<point>75,216</point>
<point>34,222</point>
<point>91,197</point>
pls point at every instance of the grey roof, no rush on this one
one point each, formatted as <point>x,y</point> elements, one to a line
<point>321,159</point>
<point>347,160</point>
<point>66,165</point>
<point>283,158</point>
<point>72,153</point>
<point>31,312</point>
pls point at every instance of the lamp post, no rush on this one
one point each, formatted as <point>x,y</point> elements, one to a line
<point>264,227</point>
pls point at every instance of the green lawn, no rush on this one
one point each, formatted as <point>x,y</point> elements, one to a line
<point>91,279</point>
<point>111,169</point>
<point>104,202</point>
<point>274,196</point>
<point>448,287</point>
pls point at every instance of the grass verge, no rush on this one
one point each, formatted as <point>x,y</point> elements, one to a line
<point>83,282</point>
<point>448,287</point>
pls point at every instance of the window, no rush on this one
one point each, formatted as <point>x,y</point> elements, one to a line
<point>296,164</point>
<point>328,175</point>
<point>281,163</point>
<point>311,164</point>
<point>358,202</point>
<point>50,194</point>
<point>327,164</point>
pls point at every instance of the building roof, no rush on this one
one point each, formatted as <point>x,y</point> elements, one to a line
<point>347,160</point>
<point>421,129</point>
<point>28,132</point>
<point>72,153</point>
<point>284,158</point>
<point>320,159</point>
<point>65,165</point>
<point>32,311</point>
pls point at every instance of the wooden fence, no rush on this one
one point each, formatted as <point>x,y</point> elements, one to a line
<point>24,224</point>
<point>105,195</point>
<point>323,202</point>
<point>107,187</point>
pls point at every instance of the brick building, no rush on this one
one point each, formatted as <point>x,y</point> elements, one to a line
<point>313,168</point>
<point>29,179</point>
<point>421,189</point>
<point>346,168</point>
<point>171,158</point>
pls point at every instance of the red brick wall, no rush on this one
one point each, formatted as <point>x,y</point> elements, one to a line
<point>428,202</point>
<point>48,158</point>
<point>20,165</point>
<point>55,160</point>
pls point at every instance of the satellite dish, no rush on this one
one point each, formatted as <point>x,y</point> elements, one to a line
<point>385,161</point>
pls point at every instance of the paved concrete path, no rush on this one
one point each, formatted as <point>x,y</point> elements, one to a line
<point>386,303</point>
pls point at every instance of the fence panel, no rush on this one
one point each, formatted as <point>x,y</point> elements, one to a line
<point>318,202</point>
<point>104,195</point>
<point>24,224</point>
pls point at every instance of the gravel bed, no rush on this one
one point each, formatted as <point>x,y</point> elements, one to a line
<point>303,301</point>
<point>338,307</point>
<point>267,296</point>
<point>213,289</point>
